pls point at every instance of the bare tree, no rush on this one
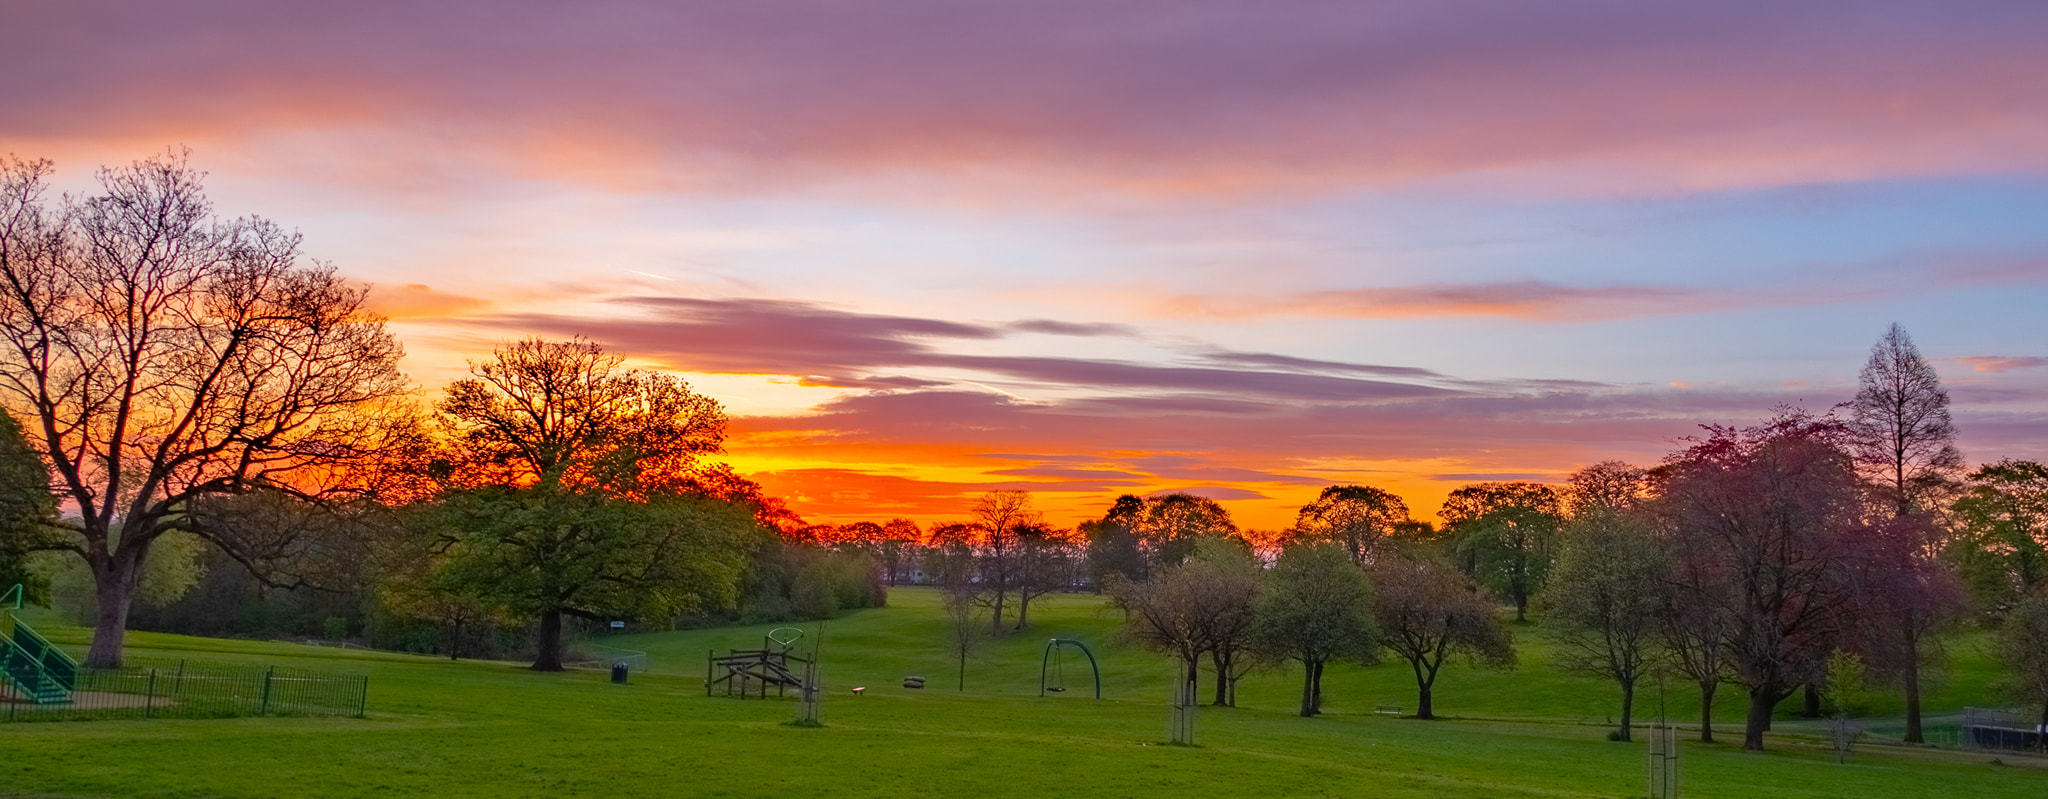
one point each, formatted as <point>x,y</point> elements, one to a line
<point>161,353</point>
<point>964,634</point>
<point>1429,613</point>
<point>1201,606</point>
<point>1904,438</point>
<point>1001,515</point>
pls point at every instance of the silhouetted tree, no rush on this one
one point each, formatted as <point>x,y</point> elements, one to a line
<point>1194,608</point>
<point>159,353</point>
<point>1356,517</point>
<point>1902,600</point>
<point>1903,436</point>
<point>1001,517</point>
<point>1316,607</point>
<point>1428,613</point>
<point>575,469</point>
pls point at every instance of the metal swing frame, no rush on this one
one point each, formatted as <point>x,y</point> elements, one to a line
<point>1052,647</point>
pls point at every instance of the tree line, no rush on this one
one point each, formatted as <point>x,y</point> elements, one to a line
<point>192,404</point>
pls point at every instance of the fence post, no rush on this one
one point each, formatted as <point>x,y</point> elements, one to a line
<point>149,703</point>
<point>363,698</point>
<point>265,708</point>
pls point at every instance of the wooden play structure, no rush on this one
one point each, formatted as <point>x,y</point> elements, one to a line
<point>745,671</point>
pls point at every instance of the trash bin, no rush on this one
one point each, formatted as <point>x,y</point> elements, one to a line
<point>619,672</point>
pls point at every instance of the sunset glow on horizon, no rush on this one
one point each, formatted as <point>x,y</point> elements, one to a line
<point>926,250</point>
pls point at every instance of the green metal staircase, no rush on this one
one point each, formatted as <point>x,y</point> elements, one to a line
<point>38,671</point>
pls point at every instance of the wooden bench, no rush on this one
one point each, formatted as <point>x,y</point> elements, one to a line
<point>1387,710</point>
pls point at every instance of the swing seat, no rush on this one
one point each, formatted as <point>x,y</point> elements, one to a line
<point>1056,688</point>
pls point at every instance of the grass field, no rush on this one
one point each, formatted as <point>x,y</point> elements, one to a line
<point>496,729</point>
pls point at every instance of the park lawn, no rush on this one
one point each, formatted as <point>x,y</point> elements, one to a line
<point>495,729</point>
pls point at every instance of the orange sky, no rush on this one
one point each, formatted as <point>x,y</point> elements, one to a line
<point>1245,250</point>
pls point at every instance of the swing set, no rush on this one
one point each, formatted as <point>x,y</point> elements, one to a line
<point>1052,675</point>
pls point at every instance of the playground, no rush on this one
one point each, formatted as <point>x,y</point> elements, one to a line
<point>495,729</point>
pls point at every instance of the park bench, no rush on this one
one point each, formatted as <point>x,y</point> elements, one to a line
<point>1387,710</point>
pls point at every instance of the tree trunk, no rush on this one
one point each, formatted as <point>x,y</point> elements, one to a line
<point>995,622</point>
<point>1422,705</point>
<point>1628,704</point>
<point>1521,606</point>
<point>1912,677</point>
<point>1316,697</point>
<point>1812,708</point>
<point>114,582</point>
<point>549,646</point>
<point>1761,703</point>
<point>1308,688</point>
<point>1707,689</point>
<point>1023,610</point>
<point>963,670</point>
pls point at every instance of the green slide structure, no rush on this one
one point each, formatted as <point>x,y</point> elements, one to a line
<point>37,671</point>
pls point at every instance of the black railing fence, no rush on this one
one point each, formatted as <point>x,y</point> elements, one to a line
<point>170,688</point>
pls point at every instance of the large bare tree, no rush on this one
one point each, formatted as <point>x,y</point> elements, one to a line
<point>159,353</point>
<point>1904,438</point>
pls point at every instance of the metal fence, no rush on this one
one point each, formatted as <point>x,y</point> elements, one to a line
<point>145,688</point>
<point>1988,728</point>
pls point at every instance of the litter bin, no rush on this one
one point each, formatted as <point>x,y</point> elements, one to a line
<point>619,672</point>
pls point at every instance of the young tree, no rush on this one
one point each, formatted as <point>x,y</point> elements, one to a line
<point>1605,593</point>
<point>577,471</point>
<point>1198,607</point>
<point>1316,607</point>
<point>1503,532</point>
<point>1762,522</point>
<point>160,353</point>
<point>1903,436</point>
<point>965,634</point>
<point>1041,566</point>
<point>1428,613</point>
<point>1357,517</point>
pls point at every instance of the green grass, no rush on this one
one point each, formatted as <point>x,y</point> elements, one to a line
<point>495,729</point>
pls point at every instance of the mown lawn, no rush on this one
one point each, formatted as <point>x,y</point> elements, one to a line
<point>495,729</point>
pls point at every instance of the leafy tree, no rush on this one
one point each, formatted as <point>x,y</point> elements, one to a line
<point>1503,533</point>
<point>27,510</point>
<point>1428,613</point>
<point>1611,486</point>
<point>2022,647</point>
<point>1317,607</point>
<point>1174,523</point>
<point>159,353</point>
<point>1903,436</point>
<point>1202,606</point>
<point>1356,517</point>
<point>545,552</point>
<point>577,471</point>
<point>2000,539</point>
<point>1113,547</point>
<point>1764,520</point>
<point>1903,599</point>
<point>1604,594</point>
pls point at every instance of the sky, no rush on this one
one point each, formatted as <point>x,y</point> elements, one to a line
<point>923,250</point>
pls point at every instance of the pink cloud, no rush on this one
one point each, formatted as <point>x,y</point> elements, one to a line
<point>1195,98</point>
<point>2002,363</point>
